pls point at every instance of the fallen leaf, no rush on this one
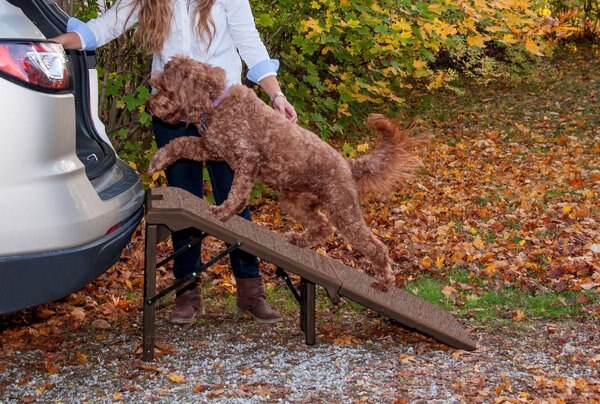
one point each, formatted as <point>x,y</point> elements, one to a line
<point>101,324</point>
<point>78,313</point>
<point>519,315</point>
<point>176,378</point>
<point>81,358</point>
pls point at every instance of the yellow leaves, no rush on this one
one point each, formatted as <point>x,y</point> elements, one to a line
<point>406,35</point>
<point>419,64</point>
<point>401,25</point>
<point>567,209</point>
<point>545,11</point>
<point>508,39</point>
<point>476,41</point>
<point>533,47</point>
<point>377,8</point>
<point>361,148</point>
<point>436,8</point>
<point>439,80</point>
<point>311,27</point>
<point>351,23</point>
<point>491,269</point>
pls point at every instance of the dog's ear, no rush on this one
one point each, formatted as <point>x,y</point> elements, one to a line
<point>202,85</point>
<point>164,102</point>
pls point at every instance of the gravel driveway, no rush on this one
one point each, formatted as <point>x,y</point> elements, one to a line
<point>360,358</point>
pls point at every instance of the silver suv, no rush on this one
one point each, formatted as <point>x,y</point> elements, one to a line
<point>68,204</point>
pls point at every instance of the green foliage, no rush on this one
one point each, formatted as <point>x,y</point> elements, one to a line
<point>343,59</point>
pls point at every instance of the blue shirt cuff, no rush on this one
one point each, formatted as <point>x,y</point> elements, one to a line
<point>267,67</point>
<point>85,33</point>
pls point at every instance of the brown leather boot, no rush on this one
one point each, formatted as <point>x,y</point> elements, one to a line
<point>188,303</point>
<point>251,300</point>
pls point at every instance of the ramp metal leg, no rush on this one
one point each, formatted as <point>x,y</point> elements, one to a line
<point>306,300</point>
<point>149,291</point>
<point>307,311</point>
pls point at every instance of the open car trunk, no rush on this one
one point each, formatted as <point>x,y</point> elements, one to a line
<point>96,155</point>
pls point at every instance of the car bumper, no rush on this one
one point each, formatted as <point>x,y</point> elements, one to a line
<point>29,280</point>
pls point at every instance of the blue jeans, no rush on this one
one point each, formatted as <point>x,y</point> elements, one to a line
<point>187,174</point>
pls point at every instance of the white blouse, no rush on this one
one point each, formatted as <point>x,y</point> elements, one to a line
<point>234,35</point>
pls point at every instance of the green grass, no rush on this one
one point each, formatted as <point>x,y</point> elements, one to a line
<point>481,304</point>
<point>498,306</point>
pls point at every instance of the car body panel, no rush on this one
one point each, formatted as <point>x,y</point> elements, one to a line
<point>68,205</point>
<point>13,24</point>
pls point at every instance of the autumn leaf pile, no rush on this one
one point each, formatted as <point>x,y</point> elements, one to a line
<point>509,190</point>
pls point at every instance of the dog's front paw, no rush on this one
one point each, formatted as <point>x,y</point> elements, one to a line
<point>381,285</point>
<point>384,282</point>
<point>156,164</point>
<point>296,239</point>
<point>221,213</point>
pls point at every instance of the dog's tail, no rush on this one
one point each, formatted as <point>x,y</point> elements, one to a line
<point>392,160</point>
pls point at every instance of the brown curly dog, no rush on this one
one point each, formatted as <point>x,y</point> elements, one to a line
<point>261,145</point>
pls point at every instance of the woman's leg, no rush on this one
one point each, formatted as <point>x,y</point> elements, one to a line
<point>184,174</point>
<point>250,287</point>
<point>244,265</point>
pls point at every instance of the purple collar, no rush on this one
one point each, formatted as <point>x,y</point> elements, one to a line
<point>202,124</point>
<point>221,97</point>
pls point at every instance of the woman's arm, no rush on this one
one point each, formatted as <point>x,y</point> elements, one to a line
<point>101,30</point>
<point>262,69</point>
<point>270,85</point>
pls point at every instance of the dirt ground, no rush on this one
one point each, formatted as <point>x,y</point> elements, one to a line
<point>358,357</point>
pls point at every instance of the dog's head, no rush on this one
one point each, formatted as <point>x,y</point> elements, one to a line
<point>185,89</point>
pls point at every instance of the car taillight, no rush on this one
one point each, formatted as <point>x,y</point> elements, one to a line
<point>42,65</point>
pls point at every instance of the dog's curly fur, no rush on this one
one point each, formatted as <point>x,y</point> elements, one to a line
<point>261,145</point>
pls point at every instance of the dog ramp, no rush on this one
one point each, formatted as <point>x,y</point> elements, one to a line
<point>177,209</point>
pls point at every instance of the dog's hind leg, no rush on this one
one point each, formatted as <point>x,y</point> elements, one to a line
<point>346,216</point>
<point>304,207</point>
<point>186,147</point>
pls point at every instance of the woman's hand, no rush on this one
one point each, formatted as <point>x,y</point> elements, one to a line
<point>278,100</point>
<point>69,40</point>
<point>281,105</point>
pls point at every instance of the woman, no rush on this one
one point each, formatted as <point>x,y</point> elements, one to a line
<point>217,32</point>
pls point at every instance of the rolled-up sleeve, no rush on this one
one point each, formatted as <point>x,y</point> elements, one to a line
<point>247,41</point>
<point>99,31</point>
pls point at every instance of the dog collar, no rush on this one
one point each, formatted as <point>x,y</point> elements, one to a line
<point>203,118</point>
<point>217,101</point>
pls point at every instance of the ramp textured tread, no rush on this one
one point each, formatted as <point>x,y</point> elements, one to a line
<point>178,209</point>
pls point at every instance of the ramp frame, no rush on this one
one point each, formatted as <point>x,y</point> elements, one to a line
<point>172,209</point>
<point>157,233</point>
